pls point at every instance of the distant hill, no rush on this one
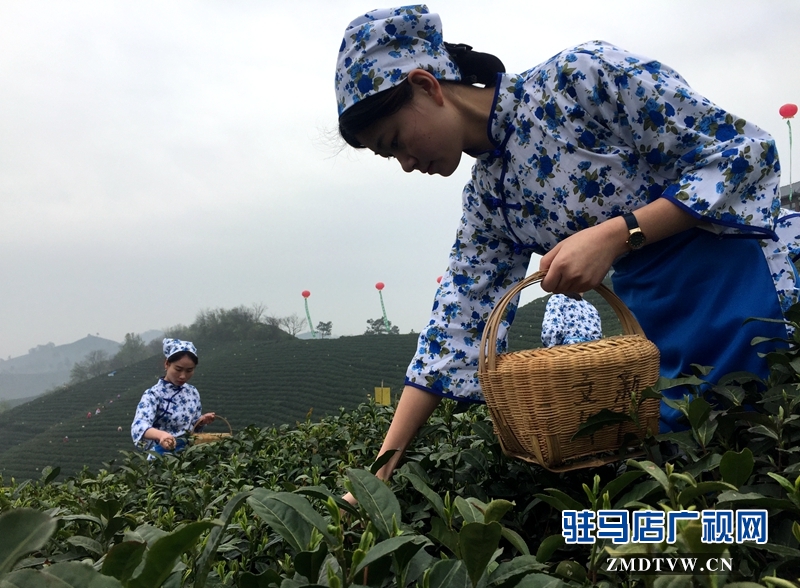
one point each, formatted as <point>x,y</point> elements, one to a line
<point>47,366</point>
<point>52,358</point>
<point>262,383</point>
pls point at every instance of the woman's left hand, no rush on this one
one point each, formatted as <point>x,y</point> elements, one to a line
<point>581,261</point>
<point>206,419</point>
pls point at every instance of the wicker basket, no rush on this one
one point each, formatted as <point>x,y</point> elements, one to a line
<point>539,397</point>
<point>198,438</point>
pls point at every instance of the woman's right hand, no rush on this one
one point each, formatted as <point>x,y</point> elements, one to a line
<point>167,442</point>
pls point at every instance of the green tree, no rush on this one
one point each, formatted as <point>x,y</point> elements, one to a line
<point>377,327</point>
<point>241,323</point>
<point>325,329</point>
<point>133,350</point>
<point>94,364</point>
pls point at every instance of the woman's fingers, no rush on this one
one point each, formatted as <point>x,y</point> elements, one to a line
<point>578,263</point>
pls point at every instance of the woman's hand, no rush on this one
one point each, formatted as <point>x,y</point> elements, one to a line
<point>206,419</point>
<point>581,261</point>
<point>167,442</point>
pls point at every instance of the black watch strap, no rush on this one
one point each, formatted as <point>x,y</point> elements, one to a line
<point>636,238</point>
<point>631,221</point>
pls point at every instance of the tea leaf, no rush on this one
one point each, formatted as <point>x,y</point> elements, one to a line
<point>122,560</point>
<point>421,487</point>
<point>478,542</point>
<point>61,575</point>
<point>205,562</point>
<point>376,499</point>
<point>290,515</point>
<point>652,469</point>
<point>390,546</point>
<point>450,573</point>
<point>509,572</point>
<point>162,555</point>
<point>21,531</point>
<point>548,547</point>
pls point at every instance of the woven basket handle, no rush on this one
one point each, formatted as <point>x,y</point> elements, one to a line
<point>230,429</point>
<point>488,347</point>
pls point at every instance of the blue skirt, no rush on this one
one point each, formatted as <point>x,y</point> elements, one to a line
<point>691,293</point>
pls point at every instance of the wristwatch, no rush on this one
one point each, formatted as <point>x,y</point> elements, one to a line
<point>636,238</point>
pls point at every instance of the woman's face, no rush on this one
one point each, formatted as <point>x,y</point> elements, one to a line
<point>180,371</point>
<point>424,135</point>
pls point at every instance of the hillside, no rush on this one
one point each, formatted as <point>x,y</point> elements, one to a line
<point>52,358</point>
<point>46,366</point>
<point>263,383</point>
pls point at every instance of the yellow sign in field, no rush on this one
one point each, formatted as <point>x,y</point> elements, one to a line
<point>383,396</point>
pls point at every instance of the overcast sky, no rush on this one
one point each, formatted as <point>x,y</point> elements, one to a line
<point>162,157</point>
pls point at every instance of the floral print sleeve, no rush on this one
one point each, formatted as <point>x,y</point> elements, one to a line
<point>145,416</point>
<point>717,167</point>
<point>483,264</point>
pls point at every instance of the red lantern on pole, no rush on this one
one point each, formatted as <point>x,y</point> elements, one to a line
<point>379,287</point>
<point>788,110</point>
<point>306,294</point>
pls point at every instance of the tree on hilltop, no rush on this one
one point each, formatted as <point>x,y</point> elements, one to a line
<point>293,324</point>
<point>325,329</point>
<point>94,364</point>
<point>133,350</point>
<point>378,327</point>
<point>242,323</point>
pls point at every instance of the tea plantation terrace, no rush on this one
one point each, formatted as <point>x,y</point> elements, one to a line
<point>261,383</point>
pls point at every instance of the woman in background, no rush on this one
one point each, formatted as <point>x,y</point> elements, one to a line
<point>570,318</point>
<point>168,411</point>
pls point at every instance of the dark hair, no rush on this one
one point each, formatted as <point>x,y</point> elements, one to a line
<point>475,67</point>
<point>180,355</point>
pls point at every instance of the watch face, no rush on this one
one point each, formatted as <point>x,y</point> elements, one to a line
<point>636,239</point>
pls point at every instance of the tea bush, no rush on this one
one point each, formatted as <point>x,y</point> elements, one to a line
<point>263,508</point>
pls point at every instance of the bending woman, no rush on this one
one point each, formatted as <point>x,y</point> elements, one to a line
<point>170,409</point>
<point>597,158</point>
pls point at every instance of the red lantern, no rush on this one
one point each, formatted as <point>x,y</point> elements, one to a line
<point>306,293</point>
<point>439,280</point>
<point>379,286</point>
<point>788,110</point>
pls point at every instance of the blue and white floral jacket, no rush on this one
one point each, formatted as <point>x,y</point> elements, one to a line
<point>167,407</point>
<point>589,135</point>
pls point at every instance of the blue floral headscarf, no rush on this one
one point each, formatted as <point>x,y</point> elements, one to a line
<point>381,47</point>
<point>173,346</point>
